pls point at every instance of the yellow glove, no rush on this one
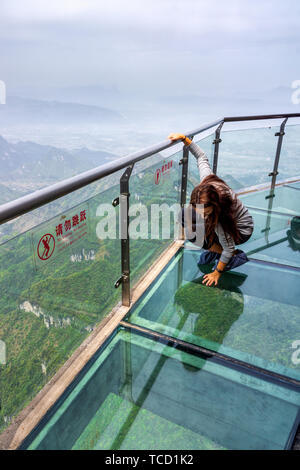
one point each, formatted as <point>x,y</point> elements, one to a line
<point>182,137</point>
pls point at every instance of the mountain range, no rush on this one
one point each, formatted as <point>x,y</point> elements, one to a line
<point>19,110</point>
<point>26,166</point>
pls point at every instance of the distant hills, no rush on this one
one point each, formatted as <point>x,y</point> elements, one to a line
<point>26,166</point>
<point>22,110</point>
<point>95,95</point>
<point>7,194</point>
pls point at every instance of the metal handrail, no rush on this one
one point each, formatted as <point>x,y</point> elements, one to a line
<point>24,204</point>
<point>260,117</point>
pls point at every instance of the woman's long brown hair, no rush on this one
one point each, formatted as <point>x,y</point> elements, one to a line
<point>219,197</point>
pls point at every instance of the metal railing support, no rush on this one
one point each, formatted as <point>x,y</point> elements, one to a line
<point>280,135</point>
<point>123,200</point>
<point>216,143</point>
<point>274,174</point>
<point>184,177</point>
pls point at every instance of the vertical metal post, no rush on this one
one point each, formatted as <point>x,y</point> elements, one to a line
<point>274,174</point>
<point>124,233</point>
<point>280,135</point>
<point>184,176</point>
<point>216,143</point>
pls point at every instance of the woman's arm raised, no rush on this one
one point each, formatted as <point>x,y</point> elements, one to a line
<point>202,160</point>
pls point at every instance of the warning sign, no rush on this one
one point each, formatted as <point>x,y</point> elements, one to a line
<point>60,234</point>
<point>46,246</point>
<point>71,230</point>
<point>161,172</point>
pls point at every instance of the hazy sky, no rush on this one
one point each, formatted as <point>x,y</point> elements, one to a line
<point>150,46</point>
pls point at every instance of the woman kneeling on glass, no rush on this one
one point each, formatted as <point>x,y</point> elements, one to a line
<point>227,220</point>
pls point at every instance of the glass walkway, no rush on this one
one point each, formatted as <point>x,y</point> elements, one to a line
<point>188,366</point>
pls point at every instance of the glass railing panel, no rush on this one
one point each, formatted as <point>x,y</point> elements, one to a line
<point>289,163</point>
<point>56,284</point>
<point>43,214</point>
<point>253,314</point>
<point>267,224</point>
<point>246,157</point>
<point>295,185</point>
<point>142,395</point>
<point>286,200</point>
<point>158,184</point>
<point>276,238</point>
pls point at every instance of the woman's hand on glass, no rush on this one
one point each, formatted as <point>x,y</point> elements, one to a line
<point>212,278</point>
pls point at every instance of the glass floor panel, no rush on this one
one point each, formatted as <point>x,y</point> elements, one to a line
<point>276,250</point>
<point>252,315</point>
<point>141,394</point>
<point>286,200</point>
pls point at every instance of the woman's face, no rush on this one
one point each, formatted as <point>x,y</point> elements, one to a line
<point>208,210</point>
<point>204,211</point>
<point>207,207</point>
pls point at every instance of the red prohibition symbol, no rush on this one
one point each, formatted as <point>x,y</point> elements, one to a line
<point>157,176</point>
<point>46,246</point>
